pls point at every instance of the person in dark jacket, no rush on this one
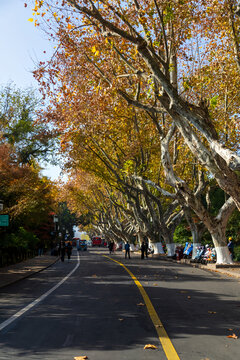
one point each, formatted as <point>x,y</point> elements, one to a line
<point>110,247</point>
<point>127,250</point>
<point>69,251</point>
<point>62,250</point>
<point>143,249</point>
<point>146,249</point>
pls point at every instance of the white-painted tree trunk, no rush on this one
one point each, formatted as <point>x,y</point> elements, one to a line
<point>132,247</point>
<point>223,255</point>
<point>171,249</point>
<point>158,248</point>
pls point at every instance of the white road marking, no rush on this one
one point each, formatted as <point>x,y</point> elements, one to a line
<point>37,301</point>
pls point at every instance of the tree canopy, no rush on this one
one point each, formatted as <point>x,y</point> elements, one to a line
<point>145,96</point>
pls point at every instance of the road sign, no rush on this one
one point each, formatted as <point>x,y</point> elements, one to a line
<point>4,220</point>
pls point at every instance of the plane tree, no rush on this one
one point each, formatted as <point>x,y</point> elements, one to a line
<point>152,54</point>
<point>176,63</point>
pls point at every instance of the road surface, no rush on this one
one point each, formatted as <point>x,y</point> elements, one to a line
<point>105,307</point>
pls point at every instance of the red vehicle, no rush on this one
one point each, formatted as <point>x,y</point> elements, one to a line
<point>96,241</point>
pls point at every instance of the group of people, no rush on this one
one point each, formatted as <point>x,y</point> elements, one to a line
<point>143,248</point>
<point>65,249</point>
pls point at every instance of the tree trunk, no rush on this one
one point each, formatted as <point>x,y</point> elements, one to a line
<point>157,247</point>
<point>219,240</point>
<point>171,249</point>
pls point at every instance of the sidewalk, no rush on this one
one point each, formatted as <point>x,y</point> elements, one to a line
<point>230,270</point>
<point>13,273</point>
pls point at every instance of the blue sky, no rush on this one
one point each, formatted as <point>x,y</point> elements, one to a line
<point>22,46</point>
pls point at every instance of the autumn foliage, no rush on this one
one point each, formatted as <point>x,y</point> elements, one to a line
<point>135,89</point>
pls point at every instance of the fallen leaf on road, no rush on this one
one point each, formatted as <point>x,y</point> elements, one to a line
<point>80,357</point>
<point>150,346</point>
<point>212,312</point>
<point>233,336</point>
<point>140,304</point>
<point>157,326</point>
<point>120,319</point>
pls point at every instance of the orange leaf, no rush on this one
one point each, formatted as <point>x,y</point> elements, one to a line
<point>80,357</point>
<point>233,336</point>
<point>150,346</point>
<point>140,304</point>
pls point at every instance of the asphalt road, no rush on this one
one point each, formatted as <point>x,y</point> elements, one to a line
<point>98,311</point>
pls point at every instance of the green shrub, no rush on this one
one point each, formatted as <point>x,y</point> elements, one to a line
<point>237,253</point>
<point>21,239</point>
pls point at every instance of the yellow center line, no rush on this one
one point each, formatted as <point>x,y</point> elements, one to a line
<point>167,345</point>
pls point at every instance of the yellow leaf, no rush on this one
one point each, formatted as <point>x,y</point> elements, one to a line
<point>150,346</point>
<point>80,357</point>
<point>140,304</point>
<point>69,26</point>
<point>31,19</point>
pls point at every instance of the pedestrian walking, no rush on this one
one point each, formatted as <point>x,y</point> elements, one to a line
<point>110,247</point>
<point>231,247</point>
<point>142,248</point>
<point>146,249</point>
<point>40,249</point>
<point>69,251</point>
<point>127,250</point>
<point>62,250</point>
